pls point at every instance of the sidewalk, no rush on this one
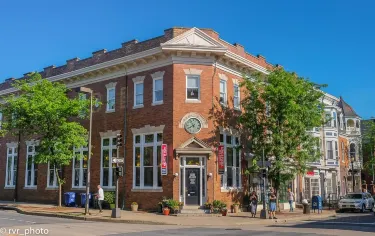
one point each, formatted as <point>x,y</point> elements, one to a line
<point>140,217</point>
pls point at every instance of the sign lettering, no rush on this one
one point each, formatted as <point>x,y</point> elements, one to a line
<point>163,159</point>
<point>220,157</point>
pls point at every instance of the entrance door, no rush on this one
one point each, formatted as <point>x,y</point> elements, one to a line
<point>192,186</point>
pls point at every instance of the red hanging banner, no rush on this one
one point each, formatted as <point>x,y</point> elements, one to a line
<point>221,161</point>
<point>164,159</point>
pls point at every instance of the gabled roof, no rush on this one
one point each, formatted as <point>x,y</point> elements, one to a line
<point>347,109</point>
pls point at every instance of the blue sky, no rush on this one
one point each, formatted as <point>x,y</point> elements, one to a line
<point>330,42</point>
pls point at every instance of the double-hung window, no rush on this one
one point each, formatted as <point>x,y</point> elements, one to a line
<point>334,119</point>
<point>52,176</point>
<point>336,151</point>
<point>11,168</point>
<point>236,96</point>
<point>223,92</point>
<point>193,87</point>
<point>342,152</point>
<point>80,167</point>
<point>138,97</point>
<point>1,119</point>
<point>158,90</point>
<point>232,157</point>
<point>109,152</point>
<point>330,150</point>
<point>147,159</point>
<point>31,177</point>
<point>111,99</point>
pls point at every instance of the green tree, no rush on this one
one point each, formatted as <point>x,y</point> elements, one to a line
<point>42,109</point>
<point>368,145</point>
<point>279,110</point>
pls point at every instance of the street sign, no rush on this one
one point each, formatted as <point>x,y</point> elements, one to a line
<point>164,153</point>
<point>118,160</point>
<point>220,157</point>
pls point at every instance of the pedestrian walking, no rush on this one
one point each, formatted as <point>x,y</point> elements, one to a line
<point>100,197</point>
<point>291,200</point>
<point>273,206</point>
<point>253,204</point>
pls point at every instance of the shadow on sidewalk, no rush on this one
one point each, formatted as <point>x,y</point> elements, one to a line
<point>361,223</point>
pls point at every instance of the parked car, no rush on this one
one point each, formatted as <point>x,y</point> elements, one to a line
<point>357,201</point>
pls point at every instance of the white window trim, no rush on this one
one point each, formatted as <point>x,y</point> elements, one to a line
<point>32,185</point>
<point>108,92</point>
<point>142,145</point>
<point>225,102</point>
<point>80,185</point>
<point>1,120</point>
<point>13,154</point>
<point>55,180</point>
<point>193,100</point>
<point>225,188</point>
<point>239,96</point>
<point>110,148</point>
<point>138,80</point>
<point>157,76</point>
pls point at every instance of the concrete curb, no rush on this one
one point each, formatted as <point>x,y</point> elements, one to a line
<point>83,218</point>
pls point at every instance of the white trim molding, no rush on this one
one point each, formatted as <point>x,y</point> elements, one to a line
<point>229,131</point>
<point>158,74</point>
<point>109,133</point>
<point>193,71</point>
<point>32,142</point>
<point>193,115</point>
<point>12,145</point>
<point>223,77</point>
<point>236,81</point>
<point>149,129</point>
<point>111,85</point>
<point>139,79</point>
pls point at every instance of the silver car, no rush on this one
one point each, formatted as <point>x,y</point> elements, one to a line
<point>357,201</point>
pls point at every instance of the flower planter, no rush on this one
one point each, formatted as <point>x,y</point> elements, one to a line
<point>236,208</point>
<point>166,211</point>
<point>134,207</point>
<point>224,212</point>
<point>112,206</point>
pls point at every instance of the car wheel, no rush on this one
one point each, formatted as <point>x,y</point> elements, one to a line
<point>363,208</point>
<point>372,208</point>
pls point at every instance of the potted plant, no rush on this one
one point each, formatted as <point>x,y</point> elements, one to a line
<point>236,207</point>
<point>173,205</point>
<point>109,197</point>
<point>223,209</point>
<point>134,206</point>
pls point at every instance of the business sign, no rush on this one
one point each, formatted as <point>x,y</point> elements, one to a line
<point>164,159</point>
<point>221,161</point>
<point>118,160</point>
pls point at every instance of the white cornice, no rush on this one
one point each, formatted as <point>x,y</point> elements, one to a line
<point>111,85</point>
<point>249,63</point>
<point>139,79</point>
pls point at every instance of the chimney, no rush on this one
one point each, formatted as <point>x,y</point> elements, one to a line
<point>261,58</point>
<point>48,70</point>
<point>240,48</point>
<point>99,53</point>
<point>129,45</point>
<point>70,62</point>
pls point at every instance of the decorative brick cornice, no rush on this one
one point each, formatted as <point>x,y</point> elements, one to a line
<point>193,71</point>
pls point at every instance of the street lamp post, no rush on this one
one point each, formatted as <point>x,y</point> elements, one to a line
<point>90,91</point>
<point>352,161</point>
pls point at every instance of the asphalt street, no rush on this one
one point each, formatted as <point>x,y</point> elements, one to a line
<point>12,223</point>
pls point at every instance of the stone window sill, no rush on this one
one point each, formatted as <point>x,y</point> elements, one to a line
<point>157,103</point>
<point>227,190</point>
<point>109,111</point>
<point>79,188</point>
<point>192,101</point>
<point>147,190</point>
<point>138,106</point>
<point>9,187</point>
<point>30,187</point>
<point>52,188</point>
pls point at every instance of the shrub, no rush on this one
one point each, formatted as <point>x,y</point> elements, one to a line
<point>109,197</point>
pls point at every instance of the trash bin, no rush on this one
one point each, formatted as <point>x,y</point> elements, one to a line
<point>317,203</point>
<point>83,199</point>
<point>306,207</point>
<point>70,199</point>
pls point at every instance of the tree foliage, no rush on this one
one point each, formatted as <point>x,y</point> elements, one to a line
<point>43,110</point>
<point>279,110</point>
<point>368,145</point>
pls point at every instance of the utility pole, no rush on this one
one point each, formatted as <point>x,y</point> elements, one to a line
<point>116,213</point>
<point>263,212</point>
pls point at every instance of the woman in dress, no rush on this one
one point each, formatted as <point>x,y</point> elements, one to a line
<point>273,206</point>
<point>253,204</point>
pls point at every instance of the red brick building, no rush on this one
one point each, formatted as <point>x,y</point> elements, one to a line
<point>167,90</point>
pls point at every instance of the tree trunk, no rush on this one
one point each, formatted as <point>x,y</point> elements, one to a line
<point>59,182</point>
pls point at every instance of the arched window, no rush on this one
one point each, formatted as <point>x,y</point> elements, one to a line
<point>352,151</point>
<point>350,125</point>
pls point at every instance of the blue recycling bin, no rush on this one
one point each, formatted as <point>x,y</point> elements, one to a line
<point>70,199</point>
<point>317,203</point>
<point>83,199</point>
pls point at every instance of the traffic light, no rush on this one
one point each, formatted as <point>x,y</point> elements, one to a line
<point>119,171</point>
<point>264,173</point>
<point>119,140</point>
